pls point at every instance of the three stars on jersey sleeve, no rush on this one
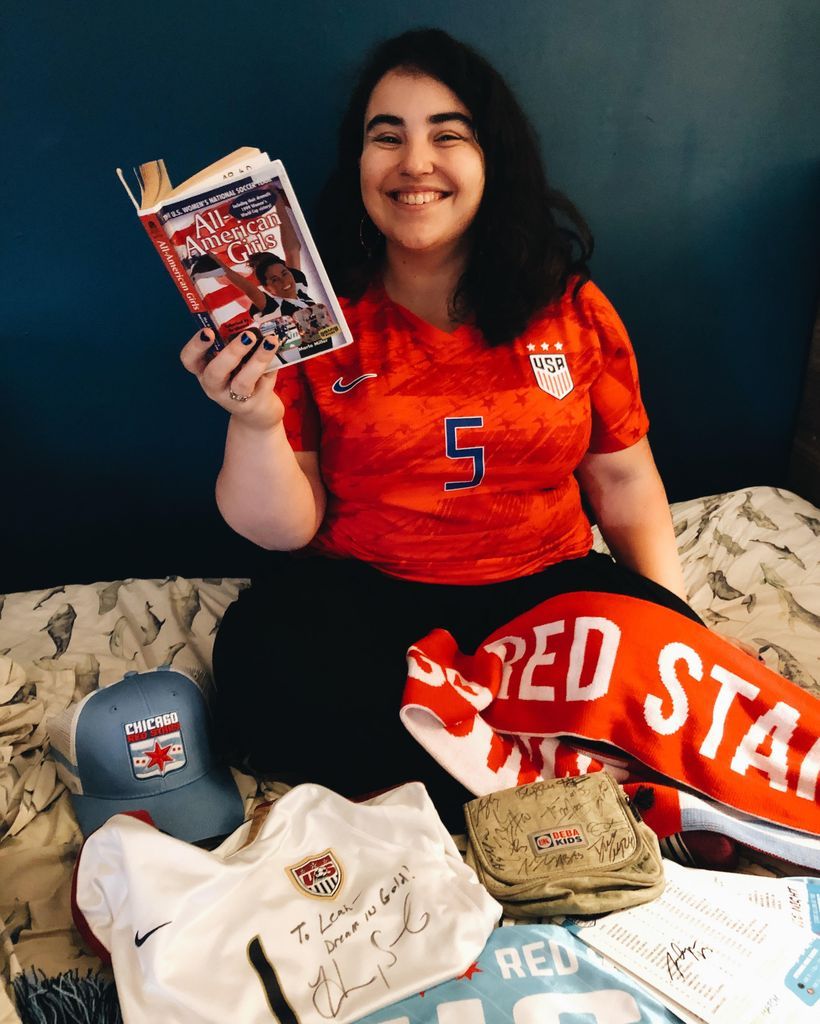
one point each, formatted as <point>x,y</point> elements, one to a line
<point>545,347</point>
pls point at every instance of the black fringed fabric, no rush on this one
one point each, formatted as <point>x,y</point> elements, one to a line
<point>68,998</point>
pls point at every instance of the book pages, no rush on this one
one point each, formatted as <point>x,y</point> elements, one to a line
<point>720,949</point>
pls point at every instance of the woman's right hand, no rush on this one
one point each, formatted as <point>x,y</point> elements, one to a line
<point>245,390</point>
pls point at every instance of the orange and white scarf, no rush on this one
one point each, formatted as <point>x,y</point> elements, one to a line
<point>587,682</point>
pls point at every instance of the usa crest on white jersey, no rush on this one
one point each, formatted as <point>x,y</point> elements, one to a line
<point>552,374</point>
<point>318,876</point>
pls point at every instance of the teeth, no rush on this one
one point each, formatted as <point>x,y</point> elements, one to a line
<point>417,198</point>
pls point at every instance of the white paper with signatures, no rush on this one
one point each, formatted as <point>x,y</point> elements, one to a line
<point>720,948</point>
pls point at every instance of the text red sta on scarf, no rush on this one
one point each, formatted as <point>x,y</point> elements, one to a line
<point>621,671</point>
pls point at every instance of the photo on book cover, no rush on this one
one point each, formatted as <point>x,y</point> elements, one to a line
<point>247,250</point>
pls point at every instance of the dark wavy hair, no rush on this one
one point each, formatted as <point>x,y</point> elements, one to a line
<point>528,240</point>
<point>262,261</point>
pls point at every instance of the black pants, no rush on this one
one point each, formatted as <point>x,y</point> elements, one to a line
<point>310,666</point>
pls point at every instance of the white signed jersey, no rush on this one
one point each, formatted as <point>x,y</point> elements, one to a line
<point>332,911</point>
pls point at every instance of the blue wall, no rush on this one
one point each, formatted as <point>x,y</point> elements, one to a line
<point>687,132</point>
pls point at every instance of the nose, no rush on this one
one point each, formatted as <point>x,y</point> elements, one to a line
<point>417,157</point>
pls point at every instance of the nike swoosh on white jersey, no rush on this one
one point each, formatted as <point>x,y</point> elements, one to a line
<point>140,939</point>
<point>340,388</point>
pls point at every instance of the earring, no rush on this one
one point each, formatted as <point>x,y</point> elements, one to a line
<point>369,249</point>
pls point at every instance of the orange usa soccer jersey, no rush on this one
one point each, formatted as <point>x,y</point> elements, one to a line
<point>447,461</point>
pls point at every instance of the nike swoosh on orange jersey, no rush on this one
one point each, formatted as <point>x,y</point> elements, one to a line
<point>340,388</point>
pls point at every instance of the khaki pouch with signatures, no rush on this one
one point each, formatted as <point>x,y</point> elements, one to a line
<point>563,846</point>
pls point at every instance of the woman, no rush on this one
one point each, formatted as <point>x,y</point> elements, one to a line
<point>432,465</point>
<point>279,282</point>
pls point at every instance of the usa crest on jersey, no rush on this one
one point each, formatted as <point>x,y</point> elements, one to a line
<point>318,876</point>
<point>552,374</point>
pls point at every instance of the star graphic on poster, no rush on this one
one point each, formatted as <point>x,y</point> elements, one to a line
<point>559,347</point>
<point>159,756</point>
<point>468,975</point>
<point>545,346</point>
<point>530,347</point>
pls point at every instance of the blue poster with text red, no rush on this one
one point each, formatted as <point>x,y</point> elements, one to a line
<point>531,974</point>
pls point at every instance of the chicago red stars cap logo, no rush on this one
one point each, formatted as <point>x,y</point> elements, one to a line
<point>320,875</point>
<point>155,745</point>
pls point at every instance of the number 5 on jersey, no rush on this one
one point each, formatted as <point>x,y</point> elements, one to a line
<point>452,425</point>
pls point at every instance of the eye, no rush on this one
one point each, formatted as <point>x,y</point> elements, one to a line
<point>449,136</point>
<point>386,139</point>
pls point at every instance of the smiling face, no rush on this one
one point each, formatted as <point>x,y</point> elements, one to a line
<point>421,168</point>
<point>279,281</point>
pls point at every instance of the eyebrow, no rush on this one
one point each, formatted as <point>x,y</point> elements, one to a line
<point>398,122</point>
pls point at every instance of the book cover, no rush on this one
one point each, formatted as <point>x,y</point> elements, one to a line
<point>240,252</point>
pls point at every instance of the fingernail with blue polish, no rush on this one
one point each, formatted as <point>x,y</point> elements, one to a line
<point>204,336</point>
<point>247,339</point>
<point>268,345</point>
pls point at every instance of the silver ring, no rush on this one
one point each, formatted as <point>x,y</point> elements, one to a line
<point>238,398</point>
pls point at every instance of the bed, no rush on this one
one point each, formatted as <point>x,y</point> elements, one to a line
<point>751,562</point>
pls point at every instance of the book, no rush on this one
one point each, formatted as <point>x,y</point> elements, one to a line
<point>239,250</point>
